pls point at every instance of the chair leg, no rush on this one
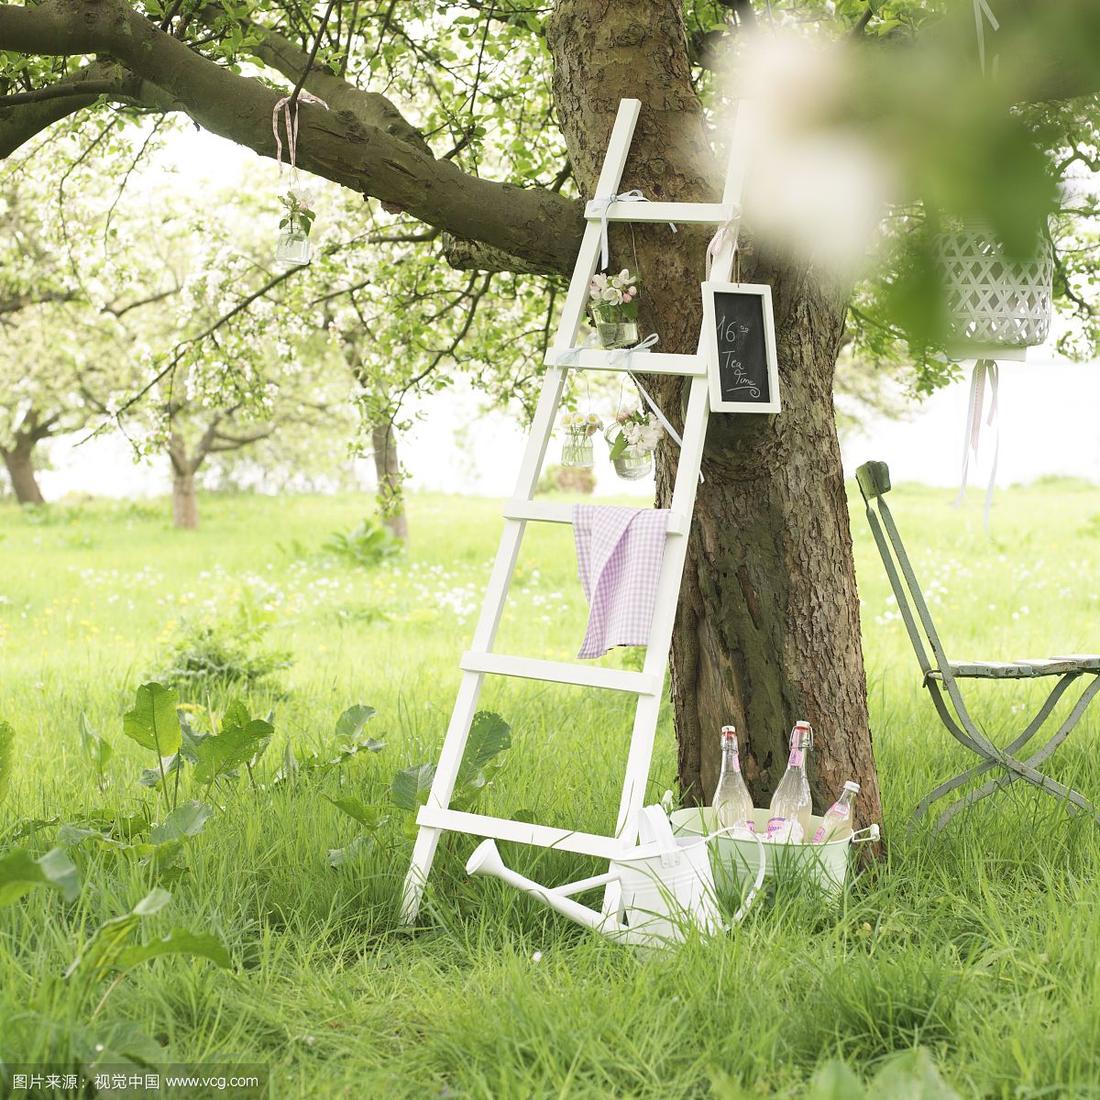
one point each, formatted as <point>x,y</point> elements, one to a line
<point>1016,769</point>
<point>980,769</point>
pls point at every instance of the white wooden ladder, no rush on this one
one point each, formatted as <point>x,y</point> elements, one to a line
<point>647,685</point>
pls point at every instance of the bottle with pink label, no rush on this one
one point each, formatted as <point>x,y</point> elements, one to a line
<point>837,822</point>
<point>791,805</point>
<point>732,801</point>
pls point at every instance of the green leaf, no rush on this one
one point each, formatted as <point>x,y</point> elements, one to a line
<point>7,756</point>
<point>20,872</point>
<point>350,724</point>
<point>108,941</point>
<point>338,857</point>
<point>836,1081</point>
<point>96,749</point>
<point>912,1075</point>
<point>178,942</point>
<point>242,738</point>
<point>185,820</point>
<point>371,817</point>
<point>153,777</point>
<point>489,736</point>
<point>153,722</point>
<point>410,786</point>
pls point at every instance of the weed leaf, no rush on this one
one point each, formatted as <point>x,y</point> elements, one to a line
<point>912,1075</point>
<point>97,751</point>
<point>187,819</point>
<point>153,722</point>
<point>410,786</point>
<point>350,724</point>
<point>242,739</point>
<point>372,817</point>
<point>20,872</point>
<point>108,941</point>
<point>836,1081</point>
<point>178,942</point>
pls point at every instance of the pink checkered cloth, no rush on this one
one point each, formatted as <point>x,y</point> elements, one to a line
<point>619,556</point>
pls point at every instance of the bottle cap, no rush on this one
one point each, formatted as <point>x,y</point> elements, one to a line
<point>802,724</point>
<point>729,731</point>
<point>851,786</point>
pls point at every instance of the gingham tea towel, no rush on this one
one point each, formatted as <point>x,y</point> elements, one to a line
<point>619,556</point>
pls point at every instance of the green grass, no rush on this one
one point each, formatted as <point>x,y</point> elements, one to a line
<point>981,945</point>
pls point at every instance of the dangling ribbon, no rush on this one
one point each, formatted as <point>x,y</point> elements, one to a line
<point>289,114</point>
<point>723,233</point>
<point>982,8</point>
<point>560,358</point>
<point>983,368</point>
<point>605,211</point>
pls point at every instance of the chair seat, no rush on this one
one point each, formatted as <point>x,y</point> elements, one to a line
<point>1020,670</point>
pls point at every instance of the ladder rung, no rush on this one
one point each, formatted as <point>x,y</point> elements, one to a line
<point>561,672</point>
<point>544,836</point>
<point>547,512</point>
<point>644,362</point>
<point>713,213</point>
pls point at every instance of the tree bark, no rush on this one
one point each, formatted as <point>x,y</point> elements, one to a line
<point>767,629</point>
<point>19,461</point>
<point>390,492</point>
<point>185,501</point>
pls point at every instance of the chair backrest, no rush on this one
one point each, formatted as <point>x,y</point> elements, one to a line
<point>874,483</point>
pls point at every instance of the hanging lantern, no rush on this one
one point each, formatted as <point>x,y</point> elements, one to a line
<point>997,306</point>
<point>994,303</point>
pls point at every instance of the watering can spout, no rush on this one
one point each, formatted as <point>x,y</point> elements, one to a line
<point>486,861</point>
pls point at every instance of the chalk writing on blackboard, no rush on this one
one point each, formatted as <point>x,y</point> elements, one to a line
<point>736,382</point>
<point>743,366</point>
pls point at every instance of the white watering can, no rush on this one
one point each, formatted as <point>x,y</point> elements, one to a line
<point>667,886</point>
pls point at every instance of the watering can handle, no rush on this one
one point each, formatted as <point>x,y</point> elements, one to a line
<point>654,827</point>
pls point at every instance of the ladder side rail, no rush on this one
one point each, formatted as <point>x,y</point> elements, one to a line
<point>640,753</point>
<point>576,299</point>
<point>462,715</point>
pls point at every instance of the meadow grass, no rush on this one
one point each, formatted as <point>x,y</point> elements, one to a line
<point>980,945</point>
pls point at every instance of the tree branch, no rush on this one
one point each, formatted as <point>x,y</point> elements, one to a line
<point>340,144</point>
<point>61,89</point>
<point>23,120</point>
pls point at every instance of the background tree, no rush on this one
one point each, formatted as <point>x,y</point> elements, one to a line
<point>768,624</point>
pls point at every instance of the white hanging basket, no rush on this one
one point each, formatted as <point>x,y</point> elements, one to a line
<point>994,302</point>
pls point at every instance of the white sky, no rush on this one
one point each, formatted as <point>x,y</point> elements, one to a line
<point>1049,412</point>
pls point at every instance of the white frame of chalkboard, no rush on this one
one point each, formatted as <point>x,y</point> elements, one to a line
<point>764,292</point>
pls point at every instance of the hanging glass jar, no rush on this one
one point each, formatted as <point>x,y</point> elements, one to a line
<point>613,302</point>
<point>633,439</point>
<point>294,229</point>
<point>578,449</point>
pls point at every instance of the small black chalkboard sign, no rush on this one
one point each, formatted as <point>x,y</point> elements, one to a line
<point>741,361</point>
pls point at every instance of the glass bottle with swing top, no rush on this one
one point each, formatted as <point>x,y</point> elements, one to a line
<point>791,805</point>
<point>732,801</point>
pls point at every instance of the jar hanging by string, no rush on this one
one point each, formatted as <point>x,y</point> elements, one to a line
<point>296,224</point>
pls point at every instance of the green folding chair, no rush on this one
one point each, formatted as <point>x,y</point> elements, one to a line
<point>942,675</point>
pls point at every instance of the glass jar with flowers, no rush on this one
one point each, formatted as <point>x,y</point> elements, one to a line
<point>577,450</point>
<point>613,301</point>
<point>633,438</point>
<point>294,229</point>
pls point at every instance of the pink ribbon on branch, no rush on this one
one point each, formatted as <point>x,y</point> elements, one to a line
<point>288,112</point>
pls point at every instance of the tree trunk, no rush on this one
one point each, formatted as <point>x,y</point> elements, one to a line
<point>20,466</point>
<point>767,630</point>
<point>390,492</point>
<point>185,502</point>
